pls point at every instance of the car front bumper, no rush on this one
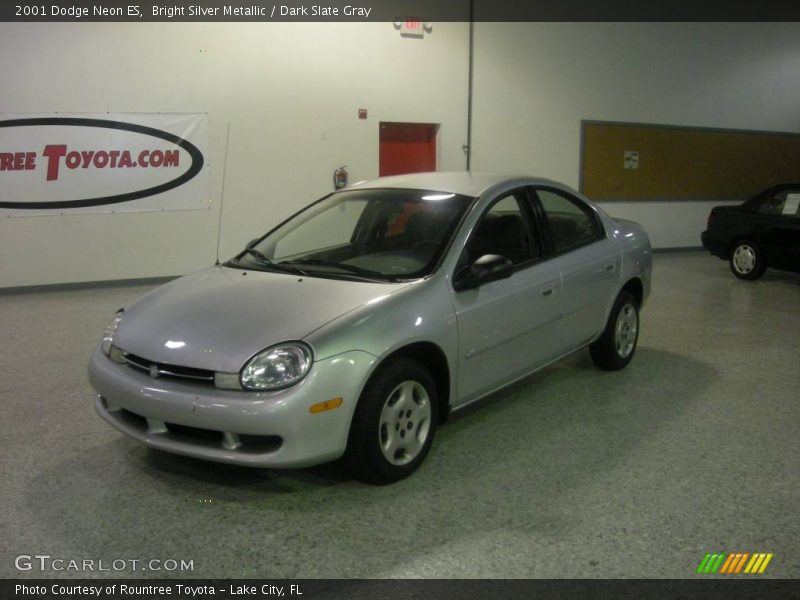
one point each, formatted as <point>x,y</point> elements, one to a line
<point>257,429</point>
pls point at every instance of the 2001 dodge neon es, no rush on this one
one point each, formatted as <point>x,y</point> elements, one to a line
<point>355,326</point>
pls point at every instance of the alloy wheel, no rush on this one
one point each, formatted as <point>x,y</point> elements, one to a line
<point>744,259</point>
<point>625,331</point>
<point>405,423</point>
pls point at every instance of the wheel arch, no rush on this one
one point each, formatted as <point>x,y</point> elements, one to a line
<point>432,357</point>
<point>734,241</point>
<point>636,288</point>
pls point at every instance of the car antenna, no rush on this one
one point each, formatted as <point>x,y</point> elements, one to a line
<point>222,193</point>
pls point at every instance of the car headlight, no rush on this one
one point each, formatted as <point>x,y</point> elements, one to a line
<point>277,367</point>
<point>108,334</point>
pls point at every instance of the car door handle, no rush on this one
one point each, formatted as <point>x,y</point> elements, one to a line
<point>610,267</point>
<point>548,290</point>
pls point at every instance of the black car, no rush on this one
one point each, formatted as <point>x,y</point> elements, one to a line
<point>762,232</point>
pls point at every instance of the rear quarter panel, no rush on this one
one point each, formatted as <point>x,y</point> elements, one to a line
<point>636,252</point>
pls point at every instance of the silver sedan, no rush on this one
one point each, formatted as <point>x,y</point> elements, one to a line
<point>355,326</point>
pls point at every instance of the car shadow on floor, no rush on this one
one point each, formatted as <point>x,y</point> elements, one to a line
<point>518,459</point>
<point>782,277</point>
<point>546,386</point>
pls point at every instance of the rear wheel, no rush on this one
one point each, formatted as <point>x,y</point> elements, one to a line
<point>615,348</point>
<point>747,260</point>
<point>394,423</point>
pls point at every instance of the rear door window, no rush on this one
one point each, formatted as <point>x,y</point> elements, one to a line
<point>572,223</point>
<point>783,203</point>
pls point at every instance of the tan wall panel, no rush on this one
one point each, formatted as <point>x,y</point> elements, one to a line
<point>682,163</point>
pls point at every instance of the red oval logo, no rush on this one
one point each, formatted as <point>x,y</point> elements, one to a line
<point>61,159</point>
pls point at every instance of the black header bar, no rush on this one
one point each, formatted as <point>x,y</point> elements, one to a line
<point>133,11</point>
<point>700,588</point>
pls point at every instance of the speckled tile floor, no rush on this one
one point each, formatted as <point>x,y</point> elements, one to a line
<point>570,473</point>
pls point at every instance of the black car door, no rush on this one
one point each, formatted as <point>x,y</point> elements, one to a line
<point>778,228</point>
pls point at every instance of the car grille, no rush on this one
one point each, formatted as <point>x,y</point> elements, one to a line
<point>156,369</point>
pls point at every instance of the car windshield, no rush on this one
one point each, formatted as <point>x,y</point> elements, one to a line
<point>383,234</point>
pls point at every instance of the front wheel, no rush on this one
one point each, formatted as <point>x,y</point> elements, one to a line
<point>615,348</point>
<point>747,260</point>
<point>394,423</point>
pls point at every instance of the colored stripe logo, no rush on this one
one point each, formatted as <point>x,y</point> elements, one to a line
<point>734,563</point>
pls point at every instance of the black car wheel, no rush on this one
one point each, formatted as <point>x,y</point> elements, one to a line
<point>614,349</point>
<point>747,260</point>
<point>394,423</point>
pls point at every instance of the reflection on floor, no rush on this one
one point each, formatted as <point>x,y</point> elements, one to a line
<point>570,473</point>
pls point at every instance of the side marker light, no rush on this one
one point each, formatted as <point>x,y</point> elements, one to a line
<point>327,405</point>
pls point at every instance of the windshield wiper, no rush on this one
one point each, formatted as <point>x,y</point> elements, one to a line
<point>258,254</point>
<point>267,262</point>
<point>337,265</point>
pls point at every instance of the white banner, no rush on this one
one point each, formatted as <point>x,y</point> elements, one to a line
<point>107,162</point>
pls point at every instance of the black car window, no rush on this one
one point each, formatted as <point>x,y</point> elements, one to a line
<point>781,203</point>
<point>504,229</point>
<point>572,224</point>
<point>773,204</point>
<point>791,206</point>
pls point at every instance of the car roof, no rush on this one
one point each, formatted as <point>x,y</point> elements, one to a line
<point>773,188</point>
<point>467,183</point>
<point>783,186</point>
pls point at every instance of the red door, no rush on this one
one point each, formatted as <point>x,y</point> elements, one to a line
<point>407,148</point>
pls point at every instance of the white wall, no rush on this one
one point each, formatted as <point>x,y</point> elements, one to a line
<point>290,91</point>
<point>534,82</point>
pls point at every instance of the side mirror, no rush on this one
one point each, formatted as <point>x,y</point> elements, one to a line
<point>489,267</point>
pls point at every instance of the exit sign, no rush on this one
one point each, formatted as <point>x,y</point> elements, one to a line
<point>412,27</point>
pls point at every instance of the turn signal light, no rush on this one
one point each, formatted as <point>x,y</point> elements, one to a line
<point>327,405</point>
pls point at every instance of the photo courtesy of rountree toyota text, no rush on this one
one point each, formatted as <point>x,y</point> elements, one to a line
<point>443,299</point>
<point>188,590</point>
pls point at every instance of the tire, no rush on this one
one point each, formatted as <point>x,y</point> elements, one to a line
<point>747,260</point>
<point>394,423</point>
<point>616,347</point>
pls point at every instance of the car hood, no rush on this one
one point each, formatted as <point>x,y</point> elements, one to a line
<point>218,318</point>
